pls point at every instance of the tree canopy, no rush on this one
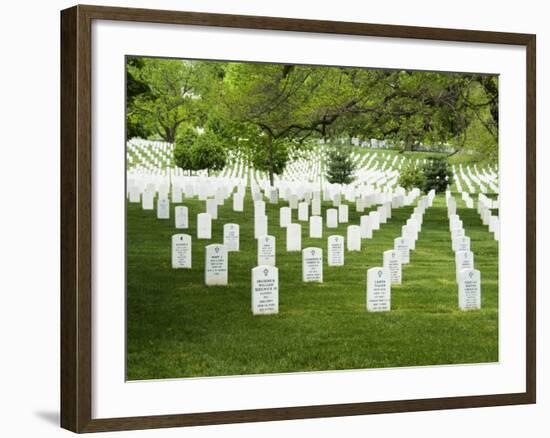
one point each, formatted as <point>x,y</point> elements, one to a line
<point>271,112</point>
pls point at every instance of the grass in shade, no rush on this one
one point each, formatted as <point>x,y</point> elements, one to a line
<point>178,327</point>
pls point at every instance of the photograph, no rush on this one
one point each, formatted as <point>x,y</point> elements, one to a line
<point>289,218</point>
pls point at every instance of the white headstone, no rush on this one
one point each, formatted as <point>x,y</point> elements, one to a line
<point>463,260</point>
<point>378,290</point>
<point>231,237</point>
<point>148,200</point>
<point>332,218</point>
<point>312,264</point>
<point>134,194</point>
<point>181,251</point>
<point>366,229</point>
<point>392,262</point>
<point>215,267</point>
<point>260,226</point>
<point>204,226</point>
<point>375,220</point>
<point>259,208</point>
<point>265,290</point>
<point>316,207</point>
<point>401,245</point>
<point>343,213</point>
<point>163,208</point>
<point>316,227</point>
<point>238,202</point>
<point>182,217</point>
<point>335,250</point>
<point>212,208</point>
<point>294,237</point>
<point>285,216</point>
<point>303,211</point>
<point>469,289</point>
<point>461,244</point>
<point>266,250</point>
<point>354,238</point>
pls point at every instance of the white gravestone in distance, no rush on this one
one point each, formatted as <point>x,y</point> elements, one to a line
<point>378,290</point>
<point>461,244</point>
<point>260,226</point>
<point>293,201</point>
<point>316,227</point>
<point>212,208</point>
<point>163,208</point>
<point>392,262</point>
<point>354,238</point>
<point>332,218</point>
<point>469,289</point>
<point>366,229</point>
<point>148,200</point>
<point>285,216</point>
<point>231,237</point>
<point>182,217</point>
<point>312,265</point>
<point>204,226</point>
<point>375,220</point>
<point>294,237</point>
<point>265,290</point>
<point>259,208</point>
<point>181,251</point>
<point>215,267</point>
<point>238,202</point>
<point>343,213</point>
<point>316,207</point>
<point>134,195</point>
<point>303,211</point>
<point>463,260</point>
<point>401,245</point>
<point>335,250</point>
<point>266,250</point>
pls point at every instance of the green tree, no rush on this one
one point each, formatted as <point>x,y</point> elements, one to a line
<point>195,151</point>
<point>172,99</point>
<point>412,176</point>
<point>438,175</point>
<point>340,167</point>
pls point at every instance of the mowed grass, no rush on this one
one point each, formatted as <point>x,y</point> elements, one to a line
<point>178,327</point>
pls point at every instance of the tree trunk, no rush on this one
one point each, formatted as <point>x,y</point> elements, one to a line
<point>271,160</point>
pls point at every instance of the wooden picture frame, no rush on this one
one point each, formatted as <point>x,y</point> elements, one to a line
<point>76,217</point>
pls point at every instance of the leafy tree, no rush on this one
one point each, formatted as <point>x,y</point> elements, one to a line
<point>412,176</point>
<point>183,149</point>
<point>172,99</point>
<point>135,87</point>
<point>340,167</point>
<point>208,153</point>
<point>438,174</point>
<point>195,151</point>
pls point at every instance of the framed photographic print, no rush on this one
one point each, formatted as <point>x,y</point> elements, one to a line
<point>269,218</point>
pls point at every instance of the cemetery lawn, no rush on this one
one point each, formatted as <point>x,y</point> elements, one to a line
<point>178,327</point>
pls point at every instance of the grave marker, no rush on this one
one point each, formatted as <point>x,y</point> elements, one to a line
<point>265,290</point>
<point>312,265</point>
<point>378,290</point>
<point>181,251</point>
<point>215,267</point>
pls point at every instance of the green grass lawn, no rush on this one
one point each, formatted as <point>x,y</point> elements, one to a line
<point>177,327</point>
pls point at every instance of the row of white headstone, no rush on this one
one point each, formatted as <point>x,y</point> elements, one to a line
<point>467,278</point>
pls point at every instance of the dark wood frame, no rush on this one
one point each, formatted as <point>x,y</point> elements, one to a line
<point>76,217</point>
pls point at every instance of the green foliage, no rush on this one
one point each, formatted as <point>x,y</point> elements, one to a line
<point>268,110</point>
<point>438,175</point>
<point>412,176</point>
<point>340,167</point>
<point>195,151</point>
<point>209,153</point>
